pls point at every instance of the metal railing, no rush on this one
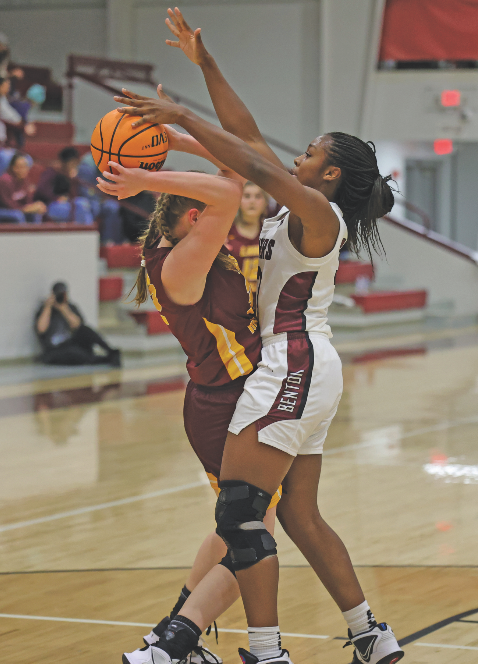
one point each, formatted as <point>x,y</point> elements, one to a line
<point>96,70</point>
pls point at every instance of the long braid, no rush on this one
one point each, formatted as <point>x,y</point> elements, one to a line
<point>169,208</point>
<point>363,195</point>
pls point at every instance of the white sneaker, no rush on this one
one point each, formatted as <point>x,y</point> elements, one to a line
<point>148,655</point>
<point>377,645</point>
<point>248,658</point>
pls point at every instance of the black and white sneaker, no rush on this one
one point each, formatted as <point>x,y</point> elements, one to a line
<point>248,658</point>
<point>377,645</point>
<point>199,655</point>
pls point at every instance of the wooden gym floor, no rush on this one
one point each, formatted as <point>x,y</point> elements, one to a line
<point>103,506</point>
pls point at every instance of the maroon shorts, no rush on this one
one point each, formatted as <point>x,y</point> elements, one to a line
<point>207,414</point>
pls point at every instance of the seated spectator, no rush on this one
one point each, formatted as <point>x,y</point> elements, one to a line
<point>135,213</point>
<point>65,338</point>
<point>14,126</point>
<point>105,208</point>
<point>4,54</point>
<point>61,194</point>
<point>17,204</point>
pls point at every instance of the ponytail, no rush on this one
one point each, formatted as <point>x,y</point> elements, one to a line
<point>363,194</point>
<point>169,208</point>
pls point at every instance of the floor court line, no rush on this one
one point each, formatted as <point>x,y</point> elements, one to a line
<point>125,501</point>
<point>446,645</point>
<point>117,623</point>
<point>101,506</point>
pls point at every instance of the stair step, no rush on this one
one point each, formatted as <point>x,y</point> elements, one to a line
<point>122,256</point>
<point>110,288</point>
<point>152,320</point>
<point>350,271</point>
<point>45,152</point>
<point>53,132</point>
<point>390,300</point>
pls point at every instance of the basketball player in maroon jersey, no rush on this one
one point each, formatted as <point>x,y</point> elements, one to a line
<point>243,239</point>
<point>279,427</point>
<point>207,303</point>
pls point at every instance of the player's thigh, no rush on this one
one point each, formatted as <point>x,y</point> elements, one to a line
<point>248,460</point>
<point>300,486</point>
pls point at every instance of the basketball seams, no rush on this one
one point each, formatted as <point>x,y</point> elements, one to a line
<point>108,124</point>
<point>112,138</point>
<point>132,156</point>
<point>134,136</point>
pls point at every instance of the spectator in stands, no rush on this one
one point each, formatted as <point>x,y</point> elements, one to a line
<point>13,126</point>
<point>59,189</point>
<point>105,208</point>
<point>65,338</point>
<point>17,203</point>
<point>4,55</point>
<point>243,238</point>
<point>135,213</point>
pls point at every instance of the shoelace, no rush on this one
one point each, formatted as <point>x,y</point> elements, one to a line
<point>199,650</point>
<point>208,631</point>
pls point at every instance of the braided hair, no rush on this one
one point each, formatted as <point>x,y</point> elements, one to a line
<point>363,194</point>
<point>169,209</point>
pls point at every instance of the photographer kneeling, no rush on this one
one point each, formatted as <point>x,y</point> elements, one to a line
<point>65,338</point>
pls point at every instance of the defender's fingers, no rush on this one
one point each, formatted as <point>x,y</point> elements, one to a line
<point>171,43</point>
<point>197,35</point>
<point>128,102</point>
<point>182,21</point>
<point>172,27</point>
<point>132,95</point>
<point>140,121</point>
<point>173,18</point>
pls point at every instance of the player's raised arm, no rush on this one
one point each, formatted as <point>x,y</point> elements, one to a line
<point>233,114</point>
<point>306,202</point>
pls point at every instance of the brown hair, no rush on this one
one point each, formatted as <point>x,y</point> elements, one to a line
<point>169,208</point>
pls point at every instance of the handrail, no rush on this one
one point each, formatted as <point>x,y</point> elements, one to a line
<point>95,70</point>
<point>434,237</point>
<point>426,219</point>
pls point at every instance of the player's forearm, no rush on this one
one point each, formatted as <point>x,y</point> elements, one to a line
<point>44,320</point>
<point>209,189</point>
<point>233,114</point>
<point>191,146</point>
<point>233,152</point>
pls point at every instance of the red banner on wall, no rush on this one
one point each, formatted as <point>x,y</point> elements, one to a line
<point>430,30</point>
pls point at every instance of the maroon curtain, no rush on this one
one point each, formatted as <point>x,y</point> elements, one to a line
<point>430,30</point>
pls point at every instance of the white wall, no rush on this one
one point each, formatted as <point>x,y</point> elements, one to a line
<point>419,263</point>
<point>45,37</point>
<point>30,263</point>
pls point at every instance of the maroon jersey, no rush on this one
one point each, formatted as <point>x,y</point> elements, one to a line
<point>246,252</point>
<point>219,334</point>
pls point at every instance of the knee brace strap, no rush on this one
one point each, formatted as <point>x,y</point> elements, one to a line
<point>240,509</point>
<point>227,563</point>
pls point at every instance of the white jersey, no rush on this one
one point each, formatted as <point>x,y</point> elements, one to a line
<point>294,291</point>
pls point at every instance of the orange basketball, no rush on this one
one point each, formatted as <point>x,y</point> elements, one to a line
<point>114,139</point>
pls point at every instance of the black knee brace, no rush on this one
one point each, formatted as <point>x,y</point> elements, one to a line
<point>240,510</point>
<point>227,563</point>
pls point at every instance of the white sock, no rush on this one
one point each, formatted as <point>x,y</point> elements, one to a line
<point>359,619</point>
<point>264,642</point>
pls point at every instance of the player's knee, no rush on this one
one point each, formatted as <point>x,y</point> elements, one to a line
<point>240,511</point>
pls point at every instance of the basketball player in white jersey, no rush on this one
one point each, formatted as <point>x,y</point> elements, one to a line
<point>278,430</point>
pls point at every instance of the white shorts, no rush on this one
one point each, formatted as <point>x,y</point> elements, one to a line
<point>294,393</point>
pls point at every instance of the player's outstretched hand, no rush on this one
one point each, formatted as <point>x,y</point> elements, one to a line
<point>163,110</point>
<point>188,40</point>
<point>124,183</point>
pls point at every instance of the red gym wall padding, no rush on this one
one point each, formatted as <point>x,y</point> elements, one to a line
<point>430,30</point>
